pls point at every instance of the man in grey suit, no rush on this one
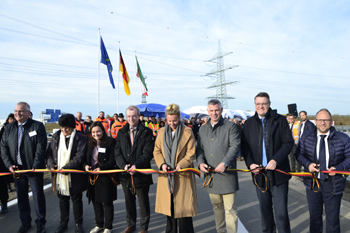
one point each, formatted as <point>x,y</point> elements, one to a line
<point>217,147</point>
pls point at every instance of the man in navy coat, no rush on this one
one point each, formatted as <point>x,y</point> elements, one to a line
<point>319,150</point>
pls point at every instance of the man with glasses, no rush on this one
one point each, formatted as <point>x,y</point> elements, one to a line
<point>266,143</point>
<point>23,146</point>
<point>324,149</point>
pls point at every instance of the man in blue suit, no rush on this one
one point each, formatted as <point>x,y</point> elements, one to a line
<point>319,150</point>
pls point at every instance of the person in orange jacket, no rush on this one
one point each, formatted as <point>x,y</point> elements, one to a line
<point>104,121</point>
<point>154,125</point>
<point>79,122</point>
<point>118,125</point>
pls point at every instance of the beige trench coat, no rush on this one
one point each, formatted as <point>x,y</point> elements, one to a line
<point>185,193</point>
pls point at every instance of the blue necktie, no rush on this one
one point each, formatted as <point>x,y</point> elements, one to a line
<point>264,157</point>
<point>322,157</point>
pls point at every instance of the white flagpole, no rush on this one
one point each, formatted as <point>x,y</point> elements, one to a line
<point>118,78</point>
<point>135,78</point>
<point>98,71</point>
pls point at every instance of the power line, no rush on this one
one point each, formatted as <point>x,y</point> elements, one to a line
<point>45,29</point>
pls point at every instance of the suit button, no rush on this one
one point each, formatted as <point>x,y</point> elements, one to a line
<point>211,155</point>
<point>128,154</point>
<point>212,139</point>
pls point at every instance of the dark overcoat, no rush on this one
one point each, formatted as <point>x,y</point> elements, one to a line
<point>139,155</point>
<point>280,143</point>
<point>103,190</point>
<point>33,145</point>
<point>77,159</point>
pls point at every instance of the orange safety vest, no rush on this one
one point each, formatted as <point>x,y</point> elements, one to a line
<point>105,123</point>
<point>154,127</point>
<point>79,126</point>
<point>116,127</point>
<point>295,131</point>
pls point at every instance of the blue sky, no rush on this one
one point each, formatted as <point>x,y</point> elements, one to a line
<point>297,51</point>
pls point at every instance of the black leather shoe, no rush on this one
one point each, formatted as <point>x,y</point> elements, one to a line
<point>79,228</point>
<point>41,229</point>
<point>61,228</point>
<point>4,209</point>
<point>24,228</point>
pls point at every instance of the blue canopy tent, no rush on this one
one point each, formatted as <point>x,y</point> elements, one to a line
<point>153,109</point>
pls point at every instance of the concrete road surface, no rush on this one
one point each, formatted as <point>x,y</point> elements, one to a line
<point>248,210</point>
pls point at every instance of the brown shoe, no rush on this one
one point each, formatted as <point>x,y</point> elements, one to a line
<point>144,231</point>
<point>129,229</point>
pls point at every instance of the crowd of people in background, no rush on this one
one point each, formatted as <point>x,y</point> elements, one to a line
<point>266,141</point>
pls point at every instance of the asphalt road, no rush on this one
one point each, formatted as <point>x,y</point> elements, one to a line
<point>248,211</point>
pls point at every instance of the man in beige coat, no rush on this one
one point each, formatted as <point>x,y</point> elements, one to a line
<point>176,195</point>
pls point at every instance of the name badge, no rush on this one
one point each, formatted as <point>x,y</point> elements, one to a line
<point>33,133</point>
<point>101,150</point>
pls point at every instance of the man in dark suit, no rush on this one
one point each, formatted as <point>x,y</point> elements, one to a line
<point>266,142</point>
<point>306,124</point>
<point>134,150</point>
<point>324,149</point>
<point>23,146</point>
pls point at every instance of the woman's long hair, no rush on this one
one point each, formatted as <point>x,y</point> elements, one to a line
<point>11,115</point>
<point>92,141</point>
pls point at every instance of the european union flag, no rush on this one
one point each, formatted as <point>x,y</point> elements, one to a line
<point>105,60</point>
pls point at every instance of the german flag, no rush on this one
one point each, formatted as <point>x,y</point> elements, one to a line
<point>126,79</point>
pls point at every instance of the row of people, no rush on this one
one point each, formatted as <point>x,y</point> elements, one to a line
<point>266,143</point>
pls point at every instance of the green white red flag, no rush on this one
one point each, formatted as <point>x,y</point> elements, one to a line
<point>143,83</point>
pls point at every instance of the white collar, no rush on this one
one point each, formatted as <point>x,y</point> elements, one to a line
<point>327,134</point>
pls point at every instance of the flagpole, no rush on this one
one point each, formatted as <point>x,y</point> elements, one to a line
<point>98,71</point>
<point>135,79</point>
<point>118,79</point>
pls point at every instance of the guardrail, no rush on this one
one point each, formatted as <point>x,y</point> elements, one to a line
<point>343,128</point>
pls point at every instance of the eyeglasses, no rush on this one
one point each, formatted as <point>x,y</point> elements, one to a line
<point>20,111</point>
<point>323,120</point>
<point>262,104</point>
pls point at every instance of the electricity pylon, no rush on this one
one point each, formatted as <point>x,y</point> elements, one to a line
<point>219,72</point>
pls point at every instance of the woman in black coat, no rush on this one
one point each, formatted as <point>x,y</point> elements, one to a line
<point>101,190</point>
<point>68,151</point>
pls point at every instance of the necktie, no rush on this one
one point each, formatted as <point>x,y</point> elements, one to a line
<point>19,160</point>
<point>132,136</point>
<point>264,157</point>
<point>322,157</point>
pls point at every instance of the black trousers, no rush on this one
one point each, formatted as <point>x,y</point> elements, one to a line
<point>130,206</point>
<point>104,214</point>
<point>77,207</point>
<point>331,204</point>
<point>4,195</point>
<point>36,181</point>
<point>185,224</point>
<point>276,197</point>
